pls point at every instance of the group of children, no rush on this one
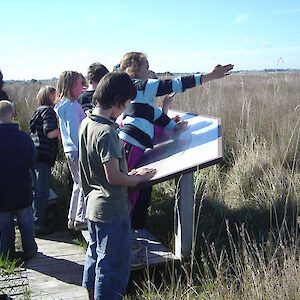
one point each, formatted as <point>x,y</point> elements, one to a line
<point>102,155</point>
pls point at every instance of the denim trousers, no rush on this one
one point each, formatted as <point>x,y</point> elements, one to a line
<point>107,261</point>
<point>7,228</point>
<point>77,207</point>
<point>41,187</point>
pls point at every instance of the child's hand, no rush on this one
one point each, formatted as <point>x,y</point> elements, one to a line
<point>146,173</point>
<point>220,71</point>
<point>133,172</point>
<point>167,102</point>
<point>176,119</point>
<point>181,124</point>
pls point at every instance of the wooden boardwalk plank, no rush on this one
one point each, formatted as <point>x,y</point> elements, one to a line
<point>56,271</point>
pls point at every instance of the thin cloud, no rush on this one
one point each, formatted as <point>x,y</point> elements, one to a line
<point>256,41</point>
<point>11,38</point>
<point>17,38</point>
<point>289,11</point>
<point>242,17</point>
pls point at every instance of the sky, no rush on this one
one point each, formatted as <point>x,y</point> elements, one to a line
<point>40,39</point>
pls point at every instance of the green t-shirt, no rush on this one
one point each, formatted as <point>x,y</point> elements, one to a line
<point>99,143</point>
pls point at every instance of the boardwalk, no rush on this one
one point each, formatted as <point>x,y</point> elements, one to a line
<point>56,271</point>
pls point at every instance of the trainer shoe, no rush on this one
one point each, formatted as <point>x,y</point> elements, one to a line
<point>80,226</point>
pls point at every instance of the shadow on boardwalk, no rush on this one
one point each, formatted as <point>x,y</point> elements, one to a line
<point>56,271</point>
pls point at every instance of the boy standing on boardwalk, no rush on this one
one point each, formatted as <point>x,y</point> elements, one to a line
<point>18,155</point>
<point>95,72</point>
<point>105,178</point>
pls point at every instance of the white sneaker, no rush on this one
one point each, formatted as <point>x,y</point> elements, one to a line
<point>71,225</point>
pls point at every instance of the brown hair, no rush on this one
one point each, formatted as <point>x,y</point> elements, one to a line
<point>65,84</point>
<point>95,72</point>
<point>131,63</point>
<point>42,96</point>
<point>114,89</point>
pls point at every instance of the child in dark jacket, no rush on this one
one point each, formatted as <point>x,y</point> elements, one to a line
<point>95,72</point>
<point>43,128</point>
<point>18,154</point>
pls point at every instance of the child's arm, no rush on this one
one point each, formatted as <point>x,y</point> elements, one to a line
<point>53,134</point>
<point>218,72</point>
<point>115,177</point>
<point>50,124</point>
<point>168,99</point>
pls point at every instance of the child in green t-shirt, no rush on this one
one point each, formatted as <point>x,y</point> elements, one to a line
<point>105,178</point>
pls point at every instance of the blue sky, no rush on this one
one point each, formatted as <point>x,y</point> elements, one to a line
<point>40,39</point>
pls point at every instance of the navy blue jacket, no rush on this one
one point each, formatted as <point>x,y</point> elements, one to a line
<point>17,155</point>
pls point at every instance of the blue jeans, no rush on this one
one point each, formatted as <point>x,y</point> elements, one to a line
<point>7,228</point>
<point>41,188</point>
<point>107,261</point>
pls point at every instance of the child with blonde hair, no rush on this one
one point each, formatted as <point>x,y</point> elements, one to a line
<point>43,128</point>
<point>70,112</point>
<point>141,114</point>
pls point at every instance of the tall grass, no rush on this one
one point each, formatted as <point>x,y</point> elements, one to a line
<point>246,242</point>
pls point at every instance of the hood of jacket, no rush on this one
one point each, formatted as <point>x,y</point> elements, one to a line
<point>61,107</point>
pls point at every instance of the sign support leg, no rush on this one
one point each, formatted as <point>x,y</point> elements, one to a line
<point>184,215</point>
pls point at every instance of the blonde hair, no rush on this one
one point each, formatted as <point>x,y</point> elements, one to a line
<point>6,110</point>
<point>131,63</point>
<point>42,96</point>
<point>65,84</point>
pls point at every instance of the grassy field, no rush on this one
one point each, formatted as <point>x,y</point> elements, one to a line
<point>247,209</point>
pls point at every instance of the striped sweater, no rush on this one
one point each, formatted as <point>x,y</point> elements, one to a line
<point>141,114</point>
<point>42,122</point>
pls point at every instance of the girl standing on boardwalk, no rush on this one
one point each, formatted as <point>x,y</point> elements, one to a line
<point>141,114</point>
<point>70,113</point>
<point>44,132</point>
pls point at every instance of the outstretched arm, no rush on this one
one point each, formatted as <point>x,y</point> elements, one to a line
<point>219,71</point>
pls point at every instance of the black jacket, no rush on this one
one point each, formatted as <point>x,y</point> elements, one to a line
<point>43,121</point>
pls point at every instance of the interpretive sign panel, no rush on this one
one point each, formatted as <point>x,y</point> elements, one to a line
<point>181,152</point>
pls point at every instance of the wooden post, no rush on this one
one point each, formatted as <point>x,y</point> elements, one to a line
<point>184,215</point>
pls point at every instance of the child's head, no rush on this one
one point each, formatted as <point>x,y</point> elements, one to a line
<point>135,64</point>
<point>46,96</point>
<point>95,72</point>
<point>114,89</point>
<point>6,111</point>
<point>69,86</point>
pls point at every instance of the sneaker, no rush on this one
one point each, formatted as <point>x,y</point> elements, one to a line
<point>80,226</point>
<point>71,225</point>
<point>137,261</point>
<point>30,254</point>
<point>136,246</point>
<point>42,230</point>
